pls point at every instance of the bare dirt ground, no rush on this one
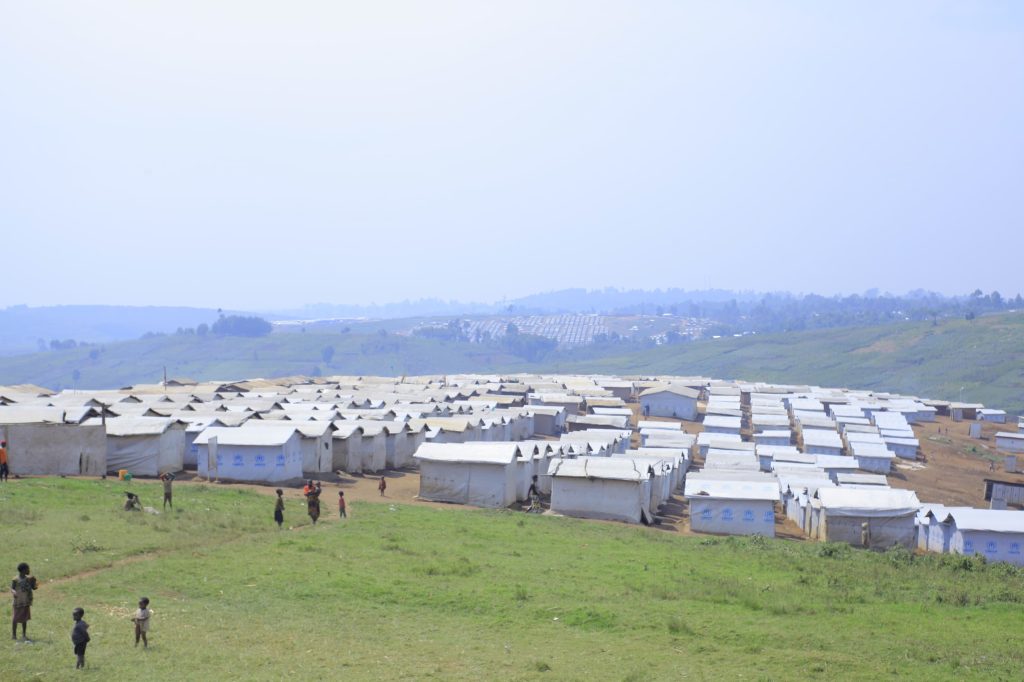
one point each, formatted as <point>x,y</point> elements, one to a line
<point>954,465</point>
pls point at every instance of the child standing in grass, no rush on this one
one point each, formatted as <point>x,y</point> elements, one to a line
<point>279,508</point>
<point>341,504</point>
<point>141,620</point>
<point>79,636</point>
<point>22,589</point>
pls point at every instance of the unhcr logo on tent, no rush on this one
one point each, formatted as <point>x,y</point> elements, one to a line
<point>279,461</point>
<point>261,461</point>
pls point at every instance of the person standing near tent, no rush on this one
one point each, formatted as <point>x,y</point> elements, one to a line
<point>313,503</point>
<point>23,588</point>
<point>534,495</point>
<point>865,535</point>
<point>167,478</point>
<point>342,510</point>
<point>3,461</point>
<point>279,508</point>
<point>382,486</point>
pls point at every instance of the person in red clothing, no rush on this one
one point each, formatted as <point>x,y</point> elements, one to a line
<point>382,486</point>
<point>3,460</point>
<point>342,511</point>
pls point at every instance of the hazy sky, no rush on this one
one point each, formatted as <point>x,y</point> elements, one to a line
<point>269,154</point>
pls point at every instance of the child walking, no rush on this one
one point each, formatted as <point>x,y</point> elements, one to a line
<point>341,505</point>
<point>79,636</point>
<point>141,621</point>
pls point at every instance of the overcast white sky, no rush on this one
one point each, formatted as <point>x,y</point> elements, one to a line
<point>268,154</point>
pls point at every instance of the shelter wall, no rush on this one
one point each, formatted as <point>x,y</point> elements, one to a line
<point>885,531</point>
<point>732,517</point>
<point>56,449</point>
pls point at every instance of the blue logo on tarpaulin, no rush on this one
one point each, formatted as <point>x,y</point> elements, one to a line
<point>769,516</point>
<point>748,515</point>
<point>237,461</point>
<point>706,513</point>
<point>261,461</point>
<point>968,547</point>
<point>1014,548</point>
<point>727,514</point>
<point>220,461</point>
<point>990,548</point>
<point>279,460</point>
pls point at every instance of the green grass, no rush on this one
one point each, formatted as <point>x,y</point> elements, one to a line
<point>407,592</point>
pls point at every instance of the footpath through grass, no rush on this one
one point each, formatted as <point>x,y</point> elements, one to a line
<point>408,592</point>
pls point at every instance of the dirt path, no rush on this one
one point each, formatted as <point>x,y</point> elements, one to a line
<point>955,466</point>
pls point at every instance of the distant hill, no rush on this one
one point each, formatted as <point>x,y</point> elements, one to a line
<point>984,355</point>
<point>228,357</point>
<point>24,329</point>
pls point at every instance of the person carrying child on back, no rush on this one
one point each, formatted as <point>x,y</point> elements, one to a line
<point>141,620</point>
<point>79,636</point>
<point>22,589</point>
<point>313,502</point>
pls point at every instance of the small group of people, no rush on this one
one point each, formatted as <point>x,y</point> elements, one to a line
<point>132,502</point>
<point>311,491</point>
<point>23,589</point>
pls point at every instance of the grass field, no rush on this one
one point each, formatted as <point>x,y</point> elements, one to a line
<point>411,592</point>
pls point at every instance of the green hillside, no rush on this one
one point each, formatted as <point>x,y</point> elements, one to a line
<point>230,357</point>
<point>985,356</point>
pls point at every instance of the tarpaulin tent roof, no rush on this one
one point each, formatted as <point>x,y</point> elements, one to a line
<point>992,520</point>
<point>475,453</point>
<point>270,437</point>
<point>31,414</point>
<point>675,389</point>
<point>732,489</point>
<point>870,503</point>
<point>617,469</point>
<point>120,427</point>
<point>309,429</point>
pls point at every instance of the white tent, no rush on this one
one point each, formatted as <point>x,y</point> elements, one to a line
<point>889,513</point>
<point>477,474</point>
<point>732,505</point>
<point>248,454</point>
<point>38,449</point>
<point>612,488</point>
<point>315,441</point>
<point>998,535</point>
<point>144,446</point>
